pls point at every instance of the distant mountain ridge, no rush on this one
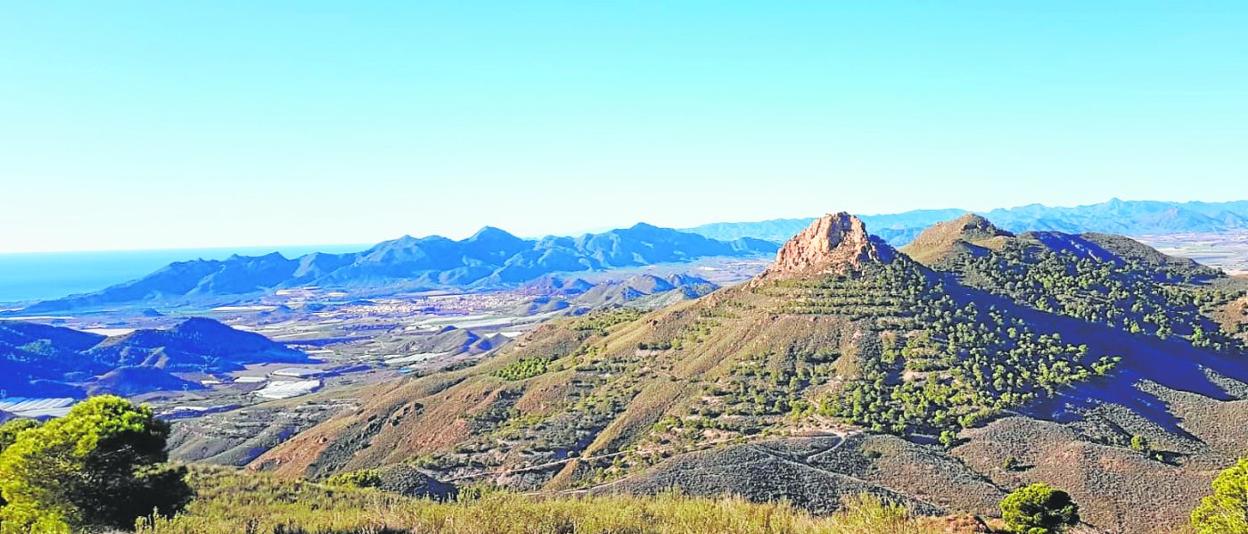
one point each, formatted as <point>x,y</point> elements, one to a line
<point>495,258</point>
<point>491,257</point>
<point>1125,217</point>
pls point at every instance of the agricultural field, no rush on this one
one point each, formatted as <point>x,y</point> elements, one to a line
<point>1225,250</point>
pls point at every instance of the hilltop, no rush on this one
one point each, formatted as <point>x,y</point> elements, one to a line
<point>489,258</point>
<point>967,234</point>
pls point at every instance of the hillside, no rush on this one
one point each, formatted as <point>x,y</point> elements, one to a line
<point>47,361</point>
<point>1099,278</point>
<point>1126,217</point>
<point>489,258</point>
<point>846,367</point>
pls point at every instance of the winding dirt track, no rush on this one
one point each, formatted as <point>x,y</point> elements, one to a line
<point>705,446</point>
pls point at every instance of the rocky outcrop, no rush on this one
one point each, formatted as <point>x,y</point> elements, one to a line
<point>836,242</point>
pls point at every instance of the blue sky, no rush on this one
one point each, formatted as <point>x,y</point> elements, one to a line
<point>194,124</point>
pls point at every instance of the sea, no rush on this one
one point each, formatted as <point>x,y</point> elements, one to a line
<point>26,277</point>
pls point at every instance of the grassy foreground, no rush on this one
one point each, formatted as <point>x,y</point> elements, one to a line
<point>231,502</point>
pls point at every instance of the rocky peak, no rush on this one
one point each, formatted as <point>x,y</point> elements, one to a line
<point>834,242</point>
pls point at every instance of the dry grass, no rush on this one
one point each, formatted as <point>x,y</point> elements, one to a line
<point>229,502</point>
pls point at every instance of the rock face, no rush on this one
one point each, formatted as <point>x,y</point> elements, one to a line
<point>834,242</point>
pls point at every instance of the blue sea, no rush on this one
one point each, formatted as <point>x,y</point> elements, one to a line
<point>41,276</point>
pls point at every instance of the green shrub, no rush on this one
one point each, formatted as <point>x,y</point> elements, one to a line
<point>1226,511</point>
<point>99,466</point>
<point>1039,509</point>
<point>364,478</point>
<point>523,369</point>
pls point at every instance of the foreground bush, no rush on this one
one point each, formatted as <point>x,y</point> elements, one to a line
<point>99,466</point>
<point>1226,511</point>
<point>1039,509</point>
<point>230,502</point>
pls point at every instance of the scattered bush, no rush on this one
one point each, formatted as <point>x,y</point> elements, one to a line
<point>523,369</point>
<point>364,478</point>
<point>1011,464</point>
<point>1039,509</point>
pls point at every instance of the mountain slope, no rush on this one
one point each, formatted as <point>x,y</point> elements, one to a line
<point>846,367</point>
<point>1099,278</point>
<point>489,258</point>
<point>827,319</point>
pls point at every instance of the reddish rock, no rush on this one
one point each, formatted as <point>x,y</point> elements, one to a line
<point>836,242</point>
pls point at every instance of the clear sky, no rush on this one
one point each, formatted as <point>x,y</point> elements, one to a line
<point>192,124</point>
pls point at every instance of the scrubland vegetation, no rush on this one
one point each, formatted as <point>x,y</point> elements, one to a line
<point>1141,292</point>
<point>230,502</point>
<point>940,364</point>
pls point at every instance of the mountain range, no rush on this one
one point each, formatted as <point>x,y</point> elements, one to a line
<point>489,258</point>
<point>39,360</point>
<point>1125,217</point>
<point>939,375</point>
<point>493,258</point>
